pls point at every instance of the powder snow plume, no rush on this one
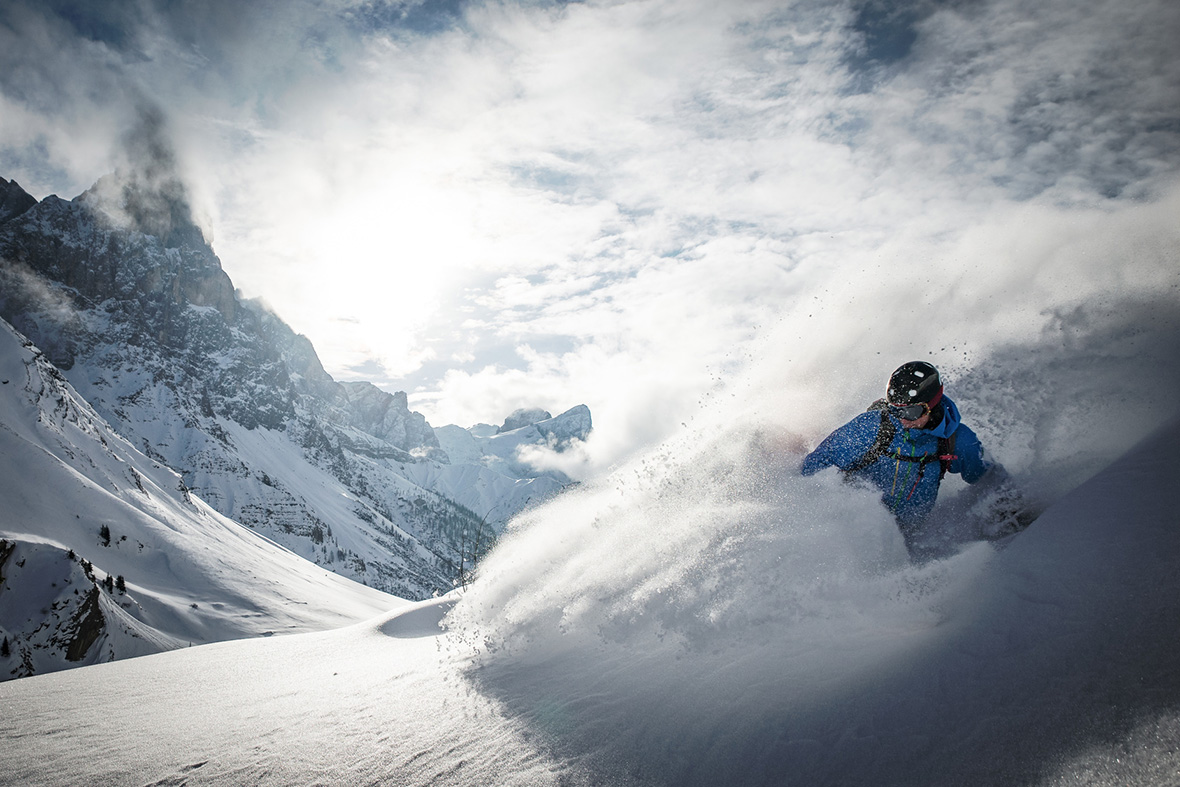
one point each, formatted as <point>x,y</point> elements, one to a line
<point>710,581</point>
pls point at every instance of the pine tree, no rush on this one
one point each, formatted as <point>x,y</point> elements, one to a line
<point>5,651</point>
<point>104,533</point>
<point>120,584</point>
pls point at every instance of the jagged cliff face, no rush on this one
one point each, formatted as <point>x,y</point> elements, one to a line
<point>152,291</point>
<point>120,290</point>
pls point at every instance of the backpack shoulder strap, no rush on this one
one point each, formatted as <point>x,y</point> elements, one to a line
<point>884,437</point>
<point>946,453</point>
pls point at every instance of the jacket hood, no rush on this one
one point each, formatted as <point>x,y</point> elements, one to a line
<point>950,419</point>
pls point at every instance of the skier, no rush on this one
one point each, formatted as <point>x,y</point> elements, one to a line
<point>904,444</point>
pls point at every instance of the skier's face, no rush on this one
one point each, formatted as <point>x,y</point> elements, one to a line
<point>904,410</point>
<point>918,424</point>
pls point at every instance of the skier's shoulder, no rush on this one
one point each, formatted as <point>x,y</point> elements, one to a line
<point>846,443</point>
<point>868,424</point>
<point>874,416</point>
<point>869,433</point>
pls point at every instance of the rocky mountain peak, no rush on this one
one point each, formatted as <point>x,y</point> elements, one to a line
<point>111,246</point>
<point>526,416</point>
<point>151,204</point>
<point>574,424</point>
<point>13,200</point>
<point>387,416</point>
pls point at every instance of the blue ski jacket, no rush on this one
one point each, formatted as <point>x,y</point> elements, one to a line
<point>908,488</point>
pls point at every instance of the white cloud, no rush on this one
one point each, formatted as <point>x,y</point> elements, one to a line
<point>626,203</point>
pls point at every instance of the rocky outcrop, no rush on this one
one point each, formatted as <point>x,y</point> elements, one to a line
<point>70,625</point>
<point>522,418</point>
<point>388,417</point>
<point>85,627</point>
<point>13,200</point>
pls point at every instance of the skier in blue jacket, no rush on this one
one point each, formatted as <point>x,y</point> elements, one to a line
<point>904,444</point>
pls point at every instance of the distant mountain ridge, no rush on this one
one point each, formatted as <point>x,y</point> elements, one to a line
<point>121,292</point>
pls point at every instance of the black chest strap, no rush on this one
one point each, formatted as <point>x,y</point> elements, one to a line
<point>885,436</point>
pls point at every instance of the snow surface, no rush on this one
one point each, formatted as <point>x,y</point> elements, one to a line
<point>776,636</point>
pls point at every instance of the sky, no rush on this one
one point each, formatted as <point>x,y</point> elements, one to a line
<point>644,206</point>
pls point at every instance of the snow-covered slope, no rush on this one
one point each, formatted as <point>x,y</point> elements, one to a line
<point>1052,662</point>
<point>121,291</point>
<point>105,553</point>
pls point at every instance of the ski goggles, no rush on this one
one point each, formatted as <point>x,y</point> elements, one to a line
<point>910,412</point>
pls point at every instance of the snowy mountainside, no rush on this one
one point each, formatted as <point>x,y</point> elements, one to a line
<point>122,293</point>
<point>105,553</point>
<point>58,613</point>
<point>488,472</point>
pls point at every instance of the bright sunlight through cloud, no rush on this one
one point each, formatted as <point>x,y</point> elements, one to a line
<point>503,204</point>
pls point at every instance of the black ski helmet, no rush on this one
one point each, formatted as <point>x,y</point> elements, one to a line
<point>913,383</point>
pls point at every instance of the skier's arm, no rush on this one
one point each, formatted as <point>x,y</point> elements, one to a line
<point>818,459</point>
<point>845,445</point>
<point>969,460</point>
